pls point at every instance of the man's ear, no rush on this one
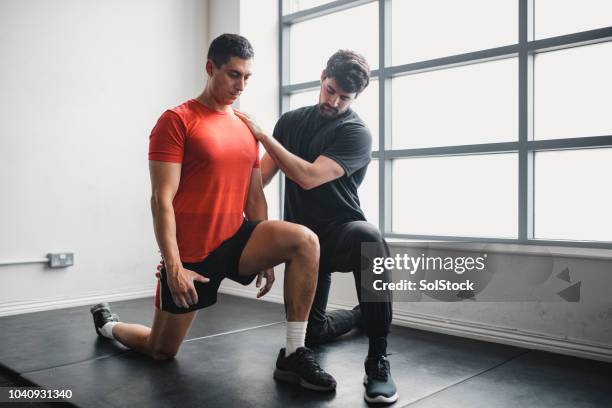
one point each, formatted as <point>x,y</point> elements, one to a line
<point>209,67</point>
<point>323,75</point>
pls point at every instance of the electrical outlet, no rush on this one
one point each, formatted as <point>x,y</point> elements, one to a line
<point>60,259</point>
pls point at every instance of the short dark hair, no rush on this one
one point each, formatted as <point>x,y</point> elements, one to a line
<point>351,70</point>
<point>229,45</point>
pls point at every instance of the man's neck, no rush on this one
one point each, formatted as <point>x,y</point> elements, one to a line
<point>207,99</point>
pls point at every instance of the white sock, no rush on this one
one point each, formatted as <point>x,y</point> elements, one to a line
<point>107,330</point>
<point>296,334</point>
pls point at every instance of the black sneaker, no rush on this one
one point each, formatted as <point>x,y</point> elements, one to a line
<point>302,368</point>
<point>380,387</point>
<point>101,315</point>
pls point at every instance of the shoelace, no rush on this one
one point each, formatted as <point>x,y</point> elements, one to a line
<point>381,370</point>
<point>308,360</point>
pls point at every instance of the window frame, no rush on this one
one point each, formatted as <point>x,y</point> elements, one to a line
<point>526,146</point>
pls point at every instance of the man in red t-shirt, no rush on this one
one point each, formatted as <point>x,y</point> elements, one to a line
<point>205,177</point>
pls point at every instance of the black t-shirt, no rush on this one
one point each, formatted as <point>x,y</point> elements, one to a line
<point>344,139</point>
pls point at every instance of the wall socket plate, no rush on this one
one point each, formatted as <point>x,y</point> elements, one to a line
<point>60,259</point>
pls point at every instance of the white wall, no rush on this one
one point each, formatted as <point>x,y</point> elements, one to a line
<point>223,17</point>
<point>83,83</point>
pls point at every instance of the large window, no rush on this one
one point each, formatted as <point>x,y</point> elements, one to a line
<point>491,118</point>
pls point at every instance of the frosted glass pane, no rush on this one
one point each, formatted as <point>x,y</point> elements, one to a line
<point>572,91</point>
<point>558,17</point>
<point>573,199</point>
<point>471,104</point>
<point>423,30</point>
<point>307,98</point>
<point>458,196</point>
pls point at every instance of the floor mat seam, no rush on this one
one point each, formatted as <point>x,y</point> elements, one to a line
<point>468,378</point>
<point>129,350</point>
<point>75,363</point>
<point>235,331</point>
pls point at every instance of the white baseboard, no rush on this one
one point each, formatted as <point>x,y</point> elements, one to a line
<point>512,337</point>
<point>14,308</point>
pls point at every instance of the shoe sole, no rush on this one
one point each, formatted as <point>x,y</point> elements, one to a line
<point>379,399</point>
<point>291,377</point>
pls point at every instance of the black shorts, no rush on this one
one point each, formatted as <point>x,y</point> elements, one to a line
<point>219,264</point>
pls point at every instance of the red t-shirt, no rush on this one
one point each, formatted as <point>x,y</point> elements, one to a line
<point>218,154</point>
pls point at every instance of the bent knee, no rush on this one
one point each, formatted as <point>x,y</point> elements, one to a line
<point>366,232</point>
<point>307,243</point>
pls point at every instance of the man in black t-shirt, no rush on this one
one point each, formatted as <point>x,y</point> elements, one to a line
<point>324,151</point>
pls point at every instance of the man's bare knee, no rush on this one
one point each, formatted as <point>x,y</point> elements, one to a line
<point>161,352</point>
<point>307,244</point>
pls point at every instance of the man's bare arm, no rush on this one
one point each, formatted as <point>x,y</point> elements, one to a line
<point>256,206</point>
<point>268,169</point>
<point>165,178</point>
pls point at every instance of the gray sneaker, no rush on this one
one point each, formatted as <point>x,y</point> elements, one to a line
<point>380,387</point>
<point>102,314</point>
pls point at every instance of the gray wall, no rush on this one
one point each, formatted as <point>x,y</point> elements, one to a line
<point>83,83</point>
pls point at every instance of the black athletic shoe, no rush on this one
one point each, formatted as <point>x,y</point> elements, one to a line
<point>380,387</point>
<point>101,315</point>
<point>302,368</point>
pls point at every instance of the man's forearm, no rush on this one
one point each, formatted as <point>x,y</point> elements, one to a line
<point>164,224</point>
<point>294,167</point>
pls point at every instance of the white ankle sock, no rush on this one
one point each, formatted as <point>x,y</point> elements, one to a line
<point>296,333</point>
<point>107,330</point>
